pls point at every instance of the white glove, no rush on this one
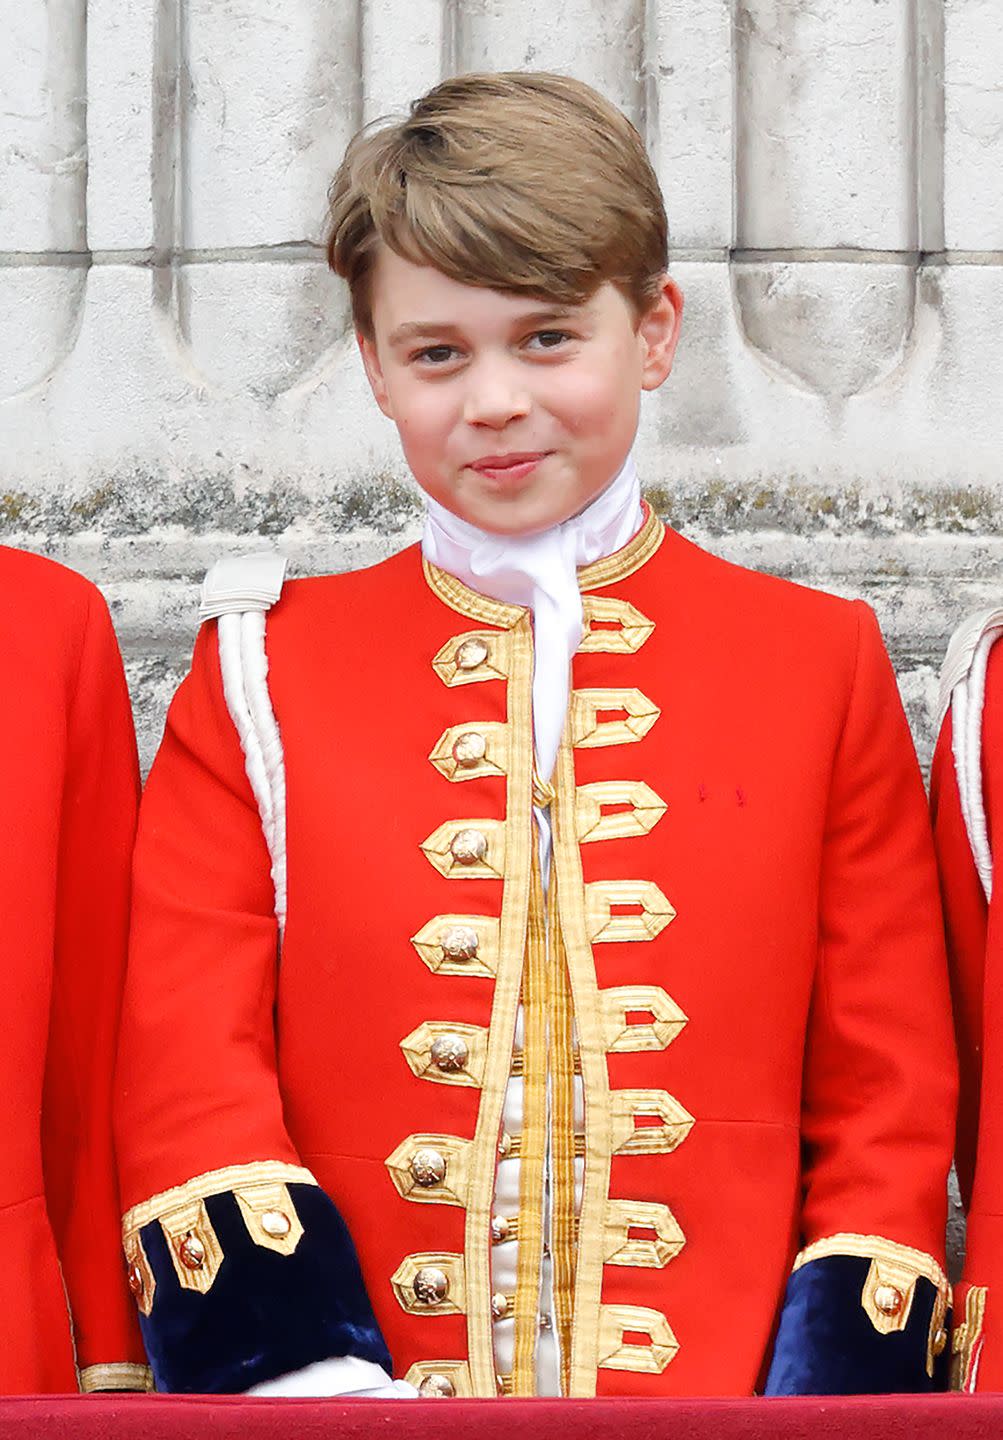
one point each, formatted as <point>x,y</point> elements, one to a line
<point>344,1375</point>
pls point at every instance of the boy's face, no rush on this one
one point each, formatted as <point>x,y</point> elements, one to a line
<point>513,413</point>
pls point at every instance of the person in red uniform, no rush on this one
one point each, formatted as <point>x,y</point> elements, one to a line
<point>549,910</point>
<point>70,789</point>
<point>966,795</point>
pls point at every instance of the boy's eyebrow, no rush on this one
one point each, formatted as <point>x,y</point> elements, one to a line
<point>418,329</point>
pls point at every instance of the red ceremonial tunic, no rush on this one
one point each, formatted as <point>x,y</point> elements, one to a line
<point>746,966</point>
<point>975,950</point>
<point>69,790</point>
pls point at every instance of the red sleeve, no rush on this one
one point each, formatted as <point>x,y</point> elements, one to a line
<point>197,1084</point>
<point>966,911</point>
<point>97,826</point>
<point>880,1075</point>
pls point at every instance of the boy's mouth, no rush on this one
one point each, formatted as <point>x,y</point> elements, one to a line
<point>515,465</point>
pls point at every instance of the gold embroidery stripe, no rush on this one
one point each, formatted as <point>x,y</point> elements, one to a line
<point>589,1016</point>
<point>874,1247</point>
<point>213,1182</point>
<point>564,1063</point>
<point>965,1341</point>
<point>464,601</point>
<point>534,1142</point>
<point>117,1375</point>
<point>511,952</point>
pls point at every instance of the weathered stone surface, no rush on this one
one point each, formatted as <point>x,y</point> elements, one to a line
<point>973,135</point>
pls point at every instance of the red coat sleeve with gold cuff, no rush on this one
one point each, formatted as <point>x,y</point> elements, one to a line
<point>969,758</point>
<point>241,1265</point>
<point>866,1305</point>
<point>96,829</point>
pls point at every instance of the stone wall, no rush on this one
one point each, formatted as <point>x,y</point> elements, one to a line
<point>176,373</point>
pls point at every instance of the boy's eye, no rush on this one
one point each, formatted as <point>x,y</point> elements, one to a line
<point>548,339</point>
<point>436,354</point>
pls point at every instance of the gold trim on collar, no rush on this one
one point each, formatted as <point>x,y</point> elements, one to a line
<point>608,571</point>
<point>636,552</point>
<point>471,603</point>
<point>119,1375</point>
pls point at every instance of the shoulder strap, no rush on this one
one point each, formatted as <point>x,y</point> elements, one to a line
<point>238,592</point>
<point>963,692</point>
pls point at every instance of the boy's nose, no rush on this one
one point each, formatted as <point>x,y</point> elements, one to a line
<point>494,401</point>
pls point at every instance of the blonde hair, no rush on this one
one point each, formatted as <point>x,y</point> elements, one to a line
<point>529,183</point>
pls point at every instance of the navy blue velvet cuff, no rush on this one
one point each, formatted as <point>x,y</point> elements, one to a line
<point>266,1314</point>
<point>827,1345</point>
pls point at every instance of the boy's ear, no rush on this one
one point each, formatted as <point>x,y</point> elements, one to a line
<point>658,330</point>
<point>374,372</point>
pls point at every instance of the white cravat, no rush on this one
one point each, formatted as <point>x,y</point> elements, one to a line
<point>539,571</point>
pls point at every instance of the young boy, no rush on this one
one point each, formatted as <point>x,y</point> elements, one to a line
<point>967,800</point>
<point>70,787</point>
<point>612,982</point>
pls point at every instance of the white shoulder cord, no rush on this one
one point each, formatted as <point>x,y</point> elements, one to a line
<point>238,593</point>
<point>963,690</point>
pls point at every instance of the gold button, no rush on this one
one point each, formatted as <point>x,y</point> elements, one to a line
<point>500,1383</point>
<point>468,846</point>
<point>276,1223</point>
<point>499,1229</point>
<point>191,1252</point>
<point>499,1305</point>
<point>430,1285</point>
<point>440,1387</point>
<point>888,1299</point>
<point>470,749</point>
<point>136,1284</point>
<point>428,1168</point>
<point>450,1053</point>
<point>459,943</point>
<point>471,654</point>
<point>940,1342</point>
<point>505,1144</point>
<point>546,1323</point>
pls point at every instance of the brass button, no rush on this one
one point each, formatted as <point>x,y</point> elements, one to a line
<point>499,1229</point>
<point>470,749</point>
<point>467,847</point>
<point>470,654</point>
<point>136,1284</point>
<point>459,943</point>
<point>546,1323</point>
<point>430,1285</point>
<point>428,1168</point>
<point>505,1144</point>
<point>440,1387</point>
<point>940,1342</point>
<point>450,1054</point>
<point>500,1382</point>
<point>499,1305</point>
<point>888,1299</point>
<point>191,1252</point>
<point>276,1223</point>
